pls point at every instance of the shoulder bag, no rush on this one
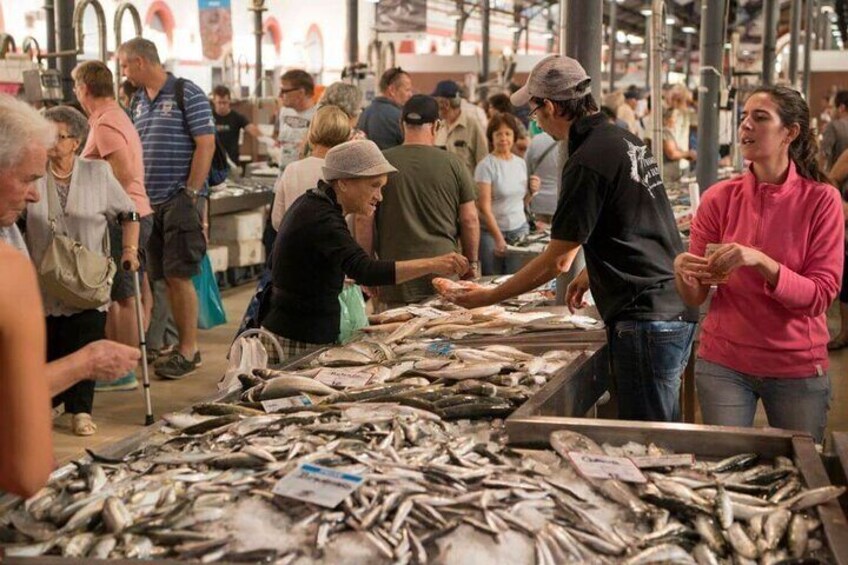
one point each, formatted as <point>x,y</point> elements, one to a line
<point>69,271</point>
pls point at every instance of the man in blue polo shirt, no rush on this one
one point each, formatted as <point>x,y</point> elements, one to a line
<point>178,148</point>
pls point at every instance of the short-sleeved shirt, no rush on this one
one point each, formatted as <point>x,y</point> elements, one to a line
<point>228,128</point>
<point>465,139</point>
<point>419,214</point>
<point>381,123</point>
<point>542,160</point>
<point>112,130</point>
<point>168,137</point>
<point>834,140</point>
<point>614,204</point>
<point>293,127</point>
<point>508,178</point>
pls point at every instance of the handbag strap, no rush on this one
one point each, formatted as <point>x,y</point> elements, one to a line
<point>55,213</point>
<point>541,158</point>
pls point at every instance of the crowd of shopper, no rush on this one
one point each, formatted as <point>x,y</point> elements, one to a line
<point>416,186</point>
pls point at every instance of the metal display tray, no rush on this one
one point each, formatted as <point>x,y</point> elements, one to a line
<point>704,442</point>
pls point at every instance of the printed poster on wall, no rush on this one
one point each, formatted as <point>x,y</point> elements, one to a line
<point>216,28</point>
<point>402,19</point>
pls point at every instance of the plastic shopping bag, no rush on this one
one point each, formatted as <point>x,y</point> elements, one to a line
<point>353,312</point>
<point>210,309</point>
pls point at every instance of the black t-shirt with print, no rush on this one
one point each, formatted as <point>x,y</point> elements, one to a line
<point>227,129</point>
<point>614,204</point>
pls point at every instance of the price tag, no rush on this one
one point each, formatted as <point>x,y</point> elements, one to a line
<point>318,485</point>
<point>605,467</point>
<point>279,403</point>
<point>439,349</point>
<point>674,460</point>
<point>426,312</point>
<point>342,379</point>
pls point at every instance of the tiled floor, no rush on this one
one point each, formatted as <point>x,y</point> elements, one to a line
<point>119,414</point>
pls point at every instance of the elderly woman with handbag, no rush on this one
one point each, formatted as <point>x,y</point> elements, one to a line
<point>67,237</point>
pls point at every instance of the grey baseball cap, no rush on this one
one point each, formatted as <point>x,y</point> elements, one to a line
<point>355,159</point>
<point>556,77</point>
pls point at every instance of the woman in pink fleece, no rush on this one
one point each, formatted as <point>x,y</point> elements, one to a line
<point>777,263</point>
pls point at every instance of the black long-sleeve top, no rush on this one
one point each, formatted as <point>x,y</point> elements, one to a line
<point>313,253</point>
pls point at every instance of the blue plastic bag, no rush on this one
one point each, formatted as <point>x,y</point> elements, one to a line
<point>353,312</point>
<point>210,308</point>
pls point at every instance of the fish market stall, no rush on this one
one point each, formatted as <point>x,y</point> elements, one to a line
<point>748,493</point>
<point>530,246</point>
<point>238,196</point>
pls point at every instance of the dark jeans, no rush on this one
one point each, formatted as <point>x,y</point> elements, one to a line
<point>65,335</point>
<point>648,359</point>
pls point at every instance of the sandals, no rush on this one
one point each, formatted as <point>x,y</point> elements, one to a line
<point>82,425</point>
<point>837,344</point>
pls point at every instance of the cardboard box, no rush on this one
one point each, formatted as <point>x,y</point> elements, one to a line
<point>219,257</point>
<point>243,226</point>
<point>245,253</point>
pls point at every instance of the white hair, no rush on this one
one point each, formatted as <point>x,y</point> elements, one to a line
<point>21,126</point>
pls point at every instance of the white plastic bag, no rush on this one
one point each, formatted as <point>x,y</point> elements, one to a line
<point>246,353</point>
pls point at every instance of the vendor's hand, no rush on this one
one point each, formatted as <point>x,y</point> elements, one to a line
<point>108,360</point>
<point>534,184</point>
<point>693,269</point>
<point>449,264</point>
<point>129,260</point>
<point>473,298</point>
<point>729,257</point>
<point>473,273</point>
<point>576,291</point>
<point>500,247</point>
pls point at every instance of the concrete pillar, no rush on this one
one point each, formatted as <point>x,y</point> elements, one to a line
<point>67,42</point>
<point>352,32</point>
<point>712,50</point>
<point>258,8</point>
<point>585,36</point>
<point>771,15</point>
<point>484,75</point>
<point>613,28</point>
<point>794,40</point>
<point>563,25</point>
<point>648,48</point>
<point>687,62</point>
<point>809,30</point>
<point>50,21</point>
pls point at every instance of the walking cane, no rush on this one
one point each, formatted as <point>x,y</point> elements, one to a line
<point>142,342</point>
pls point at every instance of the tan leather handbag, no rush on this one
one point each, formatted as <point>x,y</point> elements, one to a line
<point>69,271</point>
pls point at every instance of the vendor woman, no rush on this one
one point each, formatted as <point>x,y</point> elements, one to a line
<point>315,250</point>
<point>777,235</point>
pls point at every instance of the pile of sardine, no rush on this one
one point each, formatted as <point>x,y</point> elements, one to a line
<point>433,492</point>
<point>441,319</point>
<point>452,382</point>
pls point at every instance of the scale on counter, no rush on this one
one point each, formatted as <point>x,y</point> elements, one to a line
<point>42,85</point>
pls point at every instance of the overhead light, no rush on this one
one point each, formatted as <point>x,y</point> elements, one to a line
<point>827,9</point>
<point>643,55</point>
<point>745,52</point>
<point>620,36</point>
<point>646,12</point>
<point>670,21</point>
<point>635,39</point>
<point>548,35</point>
<point>688,29</point>
<point>728,46</point>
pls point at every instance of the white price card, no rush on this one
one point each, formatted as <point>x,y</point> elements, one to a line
<point>337,378</point>
<point>595,466</point>
<point>318,485</point>
<point>673,460</point>
<point>280,403</point>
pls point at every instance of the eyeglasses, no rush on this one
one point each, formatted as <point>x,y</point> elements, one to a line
<point>532,114</point>
<point>287,90</point>
<point>63,136</point>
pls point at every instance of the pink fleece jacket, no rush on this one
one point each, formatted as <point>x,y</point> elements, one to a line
<point>751,327</point>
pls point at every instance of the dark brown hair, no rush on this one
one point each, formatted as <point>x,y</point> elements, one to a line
<point>793,109</point>
<point>96,77</point>
<point>572,109</point>
<point>221,91</point>
<point>390,77</point>
<point>299,78</point>
<point>499,120</point>
<point>501,103</point>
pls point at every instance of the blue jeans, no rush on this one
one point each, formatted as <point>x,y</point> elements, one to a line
<point>648,359</point>
<point>729,398</point>
<point>492,265</point>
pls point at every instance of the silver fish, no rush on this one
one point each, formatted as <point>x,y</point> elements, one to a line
<point>797,536</point>
<point>103,547</point>
<point>723,508</point>
<point>775,526</point>
<point>741,543</point>
<point>115,515</point>
<point>704,555</point>
<point>810,498</point>
<point>665,553</point>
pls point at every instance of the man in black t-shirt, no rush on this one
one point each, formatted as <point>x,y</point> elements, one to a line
<point>614,205</point>
<point>229,123</point>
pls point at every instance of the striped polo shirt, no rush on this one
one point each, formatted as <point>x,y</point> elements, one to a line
<point>167,143</point>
